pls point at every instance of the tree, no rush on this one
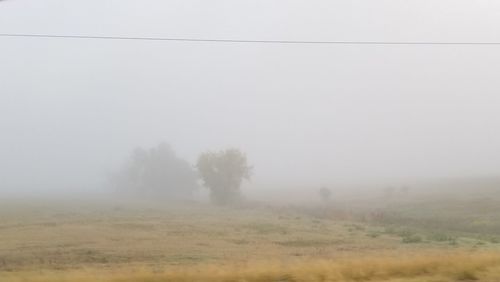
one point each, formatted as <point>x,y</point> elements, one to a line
<point>223,172</point>
<point>325,194</point>
<point>156,172</point>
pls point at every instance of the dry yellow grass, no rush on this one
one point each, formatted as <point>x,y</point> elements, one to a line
<point>60,238</point>
<point>197,243</point>
<point>479,266</point>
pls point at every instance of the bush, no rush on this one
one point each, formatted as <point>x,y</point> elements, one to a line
<point>440,237</point>
<point>413,238</point>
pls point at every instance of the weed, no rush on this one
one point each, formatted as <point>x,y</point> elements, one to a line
<point>411,238</point>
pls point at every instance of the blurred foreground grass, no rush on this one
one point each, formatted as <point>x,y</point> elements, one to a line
<point>459,266</point>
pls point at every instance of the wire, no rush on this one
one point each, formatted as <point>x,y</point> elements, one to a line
<point>180,39</point>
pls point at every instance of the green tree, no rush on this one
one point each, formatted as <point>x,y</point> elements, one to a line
<point>223,172</point>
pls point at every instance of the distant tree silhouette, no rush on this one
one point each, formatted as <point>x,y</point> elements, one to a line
<point>405,190</point>
<point>156,172</point>
<point>389,192</point>
<point>325,194</point>
<point>223,172</point>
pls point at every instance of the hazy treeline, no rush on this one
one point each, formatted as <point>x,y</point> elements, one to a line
<point>159,173</point>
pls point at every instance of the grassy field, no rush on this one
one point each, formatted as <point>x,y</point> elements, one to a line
<point>124,241</point>
<point>484,266</point>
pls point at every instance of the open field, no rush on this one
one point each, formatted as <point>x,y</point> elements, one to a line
<point>124,241</point>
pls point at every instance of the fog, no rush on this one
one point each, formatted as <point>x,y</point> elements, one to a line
<point>72,110</point>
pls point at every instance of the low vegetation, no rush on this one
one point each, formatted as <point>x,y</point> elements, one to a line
<point>422,267</point>
<point>147,241</point>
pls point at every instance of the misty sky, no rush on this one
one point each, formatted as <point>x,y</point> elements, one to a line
<point>71,110</point>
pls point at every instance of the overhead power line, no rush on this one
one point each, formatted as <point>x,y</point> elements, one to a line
<point>187,39</point>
